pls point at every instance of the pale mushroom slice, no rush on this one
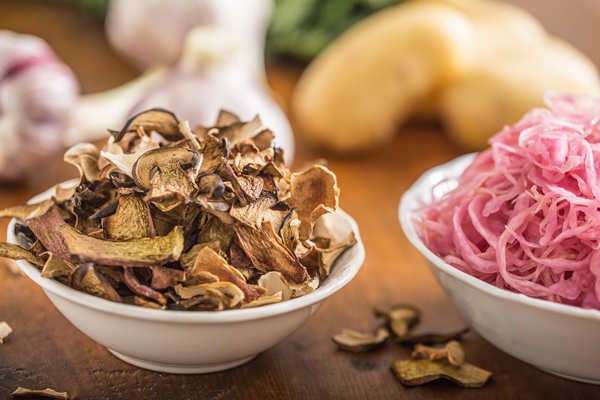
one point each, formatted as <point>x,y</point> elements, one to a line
<point>84,156</point>
<point>452,351</point>
<point>401,318</point>
<point>305,288</point>
<point>264,300</point>
<point>5,330</point>
<point>274,282</point>
<point>314,192</point>
<point>267,252</point>
<point>40,393</point>
<point>227,291</point>
<point>209,261</point>
<point>327,256</point>
<point>192,140</point>
<point>122,161</point>
<point>169,175</point>
<point>359,342</point>
<point>157,119</point>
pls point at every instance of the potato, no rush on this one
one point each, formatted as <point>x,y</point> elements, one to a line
<point>354,95</point>
<point>494,95</point>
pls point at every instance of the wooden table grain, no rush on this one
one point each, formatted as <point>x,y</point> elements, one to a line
<point>45,350</point>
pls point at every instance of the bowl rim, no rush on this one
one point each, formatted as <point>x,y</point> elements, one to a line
<point>408,202</point>
<point>354,263</point>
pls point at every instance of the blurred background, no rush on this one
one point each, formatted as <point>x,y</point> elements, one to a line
<point>348,73</point>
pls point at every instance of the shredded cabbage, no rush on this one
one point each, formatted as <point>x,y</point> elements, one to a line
<point>525,215</point>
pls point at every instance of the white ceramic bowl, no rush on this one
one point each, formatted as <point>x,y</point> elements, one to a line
<point>560,339</point>
<point>193,342</point>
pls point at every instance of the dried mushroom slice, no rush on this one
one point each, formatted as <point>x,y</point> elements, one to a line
<point>46,228</point>
<point>157,119</point>
<point>84,156</point>
<point>55,266</point>
<point>314,192</point>
<point>327,256</point>
<point>453,352</point>
<point>122,161</point>
<point>131,218</point>
<point>142,302</point>
<point>210,186</point>
<point>226,291</point>
<point>267,252</point>
<point>164,278</point>
<point>87,279</point>
<point>62,194</point>
<point>214,151</point>
<point>169,175</point>
<point>45,393</point>
<point>192,140</point>
<point>305,288</point>
<point>433,338</point>
<point>15,252</point>
<point>401,318</point>
<point>26,211</point>
<point>264,300</point>
<point>158,250</point>
<point>358,342</point>
<point>226,118</point>
<point>274,282</point>
<point>133,283</point>
<point>5,330</point>
<point>247,189</point>
<point>419,372</point>
<point>209,261</point>
<point>252,214</point>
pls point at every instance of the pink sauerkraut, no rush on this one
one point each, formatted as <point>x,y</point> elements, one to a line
<point>525,215</point>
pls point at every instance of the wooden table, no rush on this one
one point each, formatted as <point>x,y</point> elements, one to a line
<point>45,350</point>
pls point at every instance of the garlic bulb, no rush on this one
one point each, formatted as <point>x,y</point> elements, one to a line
<point>151,33</point>
<point>37,93</point>
<point>195,72</point>
<point>211,76</point>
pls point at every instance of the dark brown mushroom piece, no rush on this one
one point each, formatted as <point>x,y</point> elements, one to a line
<point>169,175</point>
<point>157,119</point>
<point>268,253</point>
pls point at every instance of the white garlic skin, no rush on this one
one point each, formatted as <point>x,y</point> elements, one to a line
<point>37,93</point>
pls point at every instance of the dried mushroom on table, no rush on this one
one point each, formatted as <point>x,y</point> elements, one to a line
<point>168,217</point>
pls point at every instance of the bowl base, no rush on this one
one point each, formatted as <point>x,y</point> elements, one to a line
<point>181,368</point>
<point>573,378</point>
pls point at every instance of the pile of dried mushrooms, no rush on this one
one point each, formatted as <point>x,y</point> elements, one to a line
<point>167,217</point>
